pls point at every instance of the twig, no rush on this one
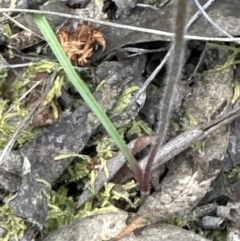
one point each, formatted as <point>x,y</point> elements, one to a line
<point>186,139</point>
<point>116,25</point>
<point>141,5</point>
<point>163,62</point>
<point>166,153</point>
<point>188,81</point>
<point>9,66</point>
<point>144,51</point>
<point>114,164</point>
<point>211,21</point>
<point>13,66</point>
<point>25,94</point>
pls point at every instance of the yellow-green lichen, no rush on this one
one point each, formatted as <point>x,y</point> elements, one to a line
<point>62,207</point>
<point>112,192</point>
<point>104,147</point>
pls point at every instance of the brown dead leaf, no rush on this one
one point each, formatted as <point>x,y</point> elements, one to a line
<point>44,114</point>
<point>79,43</point>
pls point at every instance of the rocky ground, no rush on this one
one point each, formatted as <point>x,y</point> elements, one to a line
<point>62,177</point>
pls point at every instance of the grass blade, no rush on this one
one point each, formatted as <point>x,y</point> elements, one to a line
<point>51,39</point>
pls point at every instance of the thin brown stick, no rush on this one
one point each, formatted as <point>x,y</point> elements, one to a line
<point>174,74</point>
<point>166,153</point>
<point>186,139</point>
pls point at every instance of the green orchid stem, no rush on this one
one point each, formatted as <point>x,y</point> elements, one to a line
<point>82,88</point>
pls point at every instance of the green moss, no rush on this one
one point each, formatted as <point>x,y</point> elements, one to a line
<point>176,126</point>
<point>62,209</point>
<point>83,170</point>
<point>180,221</point>
<point>14,110</point>
<point>217,235</point>
<point>56,89</point>
<point>7,30</point>
<point>88,210</point>
<point>190,119</point>
<point>123,100</point>
<point>135,128</point>
<point>107,197</point>
<point>79,169</point>
<point>3,76</point>
<point>234,172</point>
<point>233,51</point>
<point>236,88</point>
<point>197,146</point>
<point>187,221</point>
<point>128,193</point>
<point>8,123</point>
<point>14,226</point>
<point>20,86</point>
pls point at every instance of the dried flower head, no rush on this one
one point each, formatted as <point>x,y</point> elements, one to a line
<point>80,43</point>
